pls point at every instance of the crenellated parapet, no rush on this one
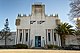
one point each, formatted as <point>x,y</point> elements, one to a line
<point>51,15</point>
<point>23,15</point>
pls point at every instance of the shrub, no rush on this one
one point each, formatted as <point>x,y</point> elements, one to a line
<point>7,47</point>
<point>50,46</point>
<point>53,47</point>
<point>21,46</point>
<point>56,47</point>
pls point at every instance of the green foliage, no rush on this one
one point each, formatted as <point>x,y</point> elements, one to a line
<point>50,46</point>
<point>53,47</point>
<point>64,29</point>
<point>5,32</point>
<point>77,32</point>
<point>21,46</point>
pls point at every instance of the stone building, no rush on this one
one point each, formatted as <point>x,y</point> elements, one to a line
<point>37,29</point>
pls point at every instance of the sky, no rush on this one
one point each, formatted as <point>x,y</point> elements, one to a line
<point>10,9</point>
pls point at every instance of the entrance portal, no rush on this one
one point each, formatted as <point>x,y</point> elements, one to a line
<point>37,41</point>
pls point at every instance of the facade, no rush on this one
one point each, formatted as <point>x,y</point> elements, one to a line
<point>37,29</point>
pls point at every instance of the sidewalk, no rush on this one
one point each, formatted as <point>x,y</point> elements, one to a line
<point>36,51</point>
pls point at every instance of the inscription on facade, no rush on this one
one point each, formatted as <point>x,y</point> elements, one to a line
<point>38,22</point>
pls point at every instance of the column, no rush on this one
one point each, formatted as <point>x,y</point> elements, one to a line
<point>29,37</point>
<point>52,37</point>
<point>59,40</point>
<point>24,42</point>
<point>46,36</point>
<point>22,36</point>
<point>18,37</point>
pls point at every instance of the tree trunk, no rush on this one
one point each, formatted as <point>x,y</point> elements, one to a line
<point>5,41</point>
<point>62,37</point>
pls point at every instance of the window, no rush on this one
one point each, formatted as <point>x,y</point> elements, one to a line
<point>40,22</point>
<point>26,36</point>
<point>20,37</point>
<point>55,36</point>
<point>43,21</point>
<point>49,36</point>
<point>31,22</point>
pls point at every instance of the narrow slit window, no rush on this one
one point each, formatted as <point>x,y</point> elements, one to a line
<point>20,37</point>
<point>26,36</point>
<point>55,36</point>
<point>49,36</point>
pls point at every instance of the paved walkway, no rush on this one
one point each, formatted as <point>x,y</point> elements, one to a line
<point>36,51</point>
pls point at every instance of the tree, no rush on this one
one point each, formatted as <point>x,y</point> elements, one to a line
<point>64,29</point>
<point>77,32</point>
<point>75,9</point>
<point>5,33</point>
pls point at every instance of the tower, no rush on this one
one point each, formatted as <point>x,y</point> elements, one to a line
<point>38,11</point>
